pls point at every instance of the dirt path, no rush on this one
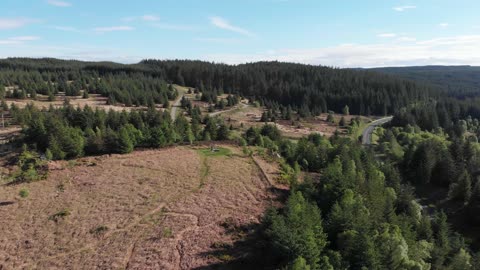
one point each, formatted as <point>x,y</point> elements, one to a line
<point>242,106</point>
<point>176,103</point>
<point>179,237</point>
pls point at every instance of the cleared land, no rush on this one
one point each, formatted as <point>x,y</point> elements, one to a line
<point>94,101</point>
<point>247,115</point>
<point>175,208</point>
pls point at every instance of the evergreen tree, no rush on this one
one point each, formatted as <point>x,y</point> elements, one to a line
<point>125,144</point>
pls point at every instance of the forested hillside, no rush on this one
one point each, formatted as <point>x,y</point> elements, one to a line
<point>312,88</point>
<point>458,81</point>
<point>306,88</point>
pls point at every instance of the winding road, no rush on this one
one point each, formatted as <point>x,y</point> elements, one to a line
<point>367,133</point>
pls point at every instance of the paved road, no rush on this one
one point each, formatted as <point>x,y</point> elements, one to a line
<point>367,133</point>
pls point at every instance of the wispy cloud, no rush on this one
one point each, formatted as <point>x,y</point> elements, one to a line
<point>129,19</point>
<point>452,50</point>
<point>406,39</point>
<point>404,8</point>
<point>224,24</point>
<point>25,38</point>
<point>58,3</point>
<point>12,23</point>
<point>113,28</point>
<point>146,17</point>
<point>66,28</point>
<point>178,27</point>
<point>219,40</point>
<point>79,51</point>
<point>444,25</point>
<point>150,18</point>
<point>18,40</point>
<point>387,35</point>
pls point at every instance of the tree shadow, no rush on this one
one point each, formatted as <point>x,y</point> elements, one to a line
<point>278,194</point>
<point>249,251</point>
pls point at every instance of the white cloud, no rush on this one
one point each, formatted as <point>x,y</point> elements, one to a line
<point>65,28</point>
<point>224,24</point>
<point>13,23</point>
<point>59,3</point>
<point>455,50</point>
<point>129,19</point>
<point>219,40</point>
<point>404,8</point>
<point>443,25</point>
<point>178,27</point>
<point>79,51</point>
<point>113,28</point>
<point>25,38</point>
<point>387,35</point>
<point>18,40</point>
<point>147,18</point>
<point>150,18</point>
<point>406,39</point>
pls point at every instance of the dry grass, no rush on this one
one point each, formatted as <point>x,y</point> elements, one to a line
<point>94,101</point>
<point>145,210</point>
<point>250,116</point>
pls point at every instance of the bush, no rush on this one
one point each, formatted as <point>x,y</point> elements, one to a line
<point>99,230</point>
<point>60,215</point>
<point>31,168</point>
<point>167,232</point>
<point>23,193</point>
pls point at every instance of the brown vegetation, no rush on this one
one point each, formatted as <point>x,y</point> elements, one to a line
<point>155,209</point>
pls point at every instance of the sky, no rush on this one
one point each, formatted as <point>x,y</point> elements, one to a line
<point>341,33</point>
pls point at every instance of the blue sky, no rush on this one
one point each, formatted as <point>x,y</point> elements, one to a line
<point>339,33</point>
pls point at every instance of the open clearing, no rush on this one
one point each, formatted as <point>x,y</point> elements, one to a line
<point>247,116</point>
<point>174,208</point>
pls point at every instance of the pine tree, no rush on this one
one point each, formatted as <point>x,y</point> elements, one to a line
<point>300,264</point>
<point>462,189</point>
<point>330,118</point>
<point>442,242</point>
<point>125,144</point>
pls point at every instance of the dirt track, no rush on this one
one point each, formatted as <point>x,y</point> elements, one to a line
<point>155,209</point>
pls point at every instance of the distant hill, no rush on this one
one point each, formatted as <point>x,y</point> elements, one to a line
<point>459,81</point>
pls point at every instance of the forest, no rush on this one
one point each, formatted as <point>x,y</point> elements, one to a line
<point>457,81</point>
<point>311,89</point>
<point>360,213</point>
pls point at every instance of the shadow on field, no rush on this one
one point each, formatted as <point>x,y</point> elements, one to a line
<point>250,250</point>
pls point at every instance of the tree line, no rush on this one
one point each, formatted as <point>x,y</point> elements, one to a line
<point>68,132</point>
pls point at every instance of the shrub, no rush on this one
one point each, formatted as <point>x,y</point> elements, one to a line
<point>167,232</point>
<point>60,215</point>
<point>99,230</point>
<point>31,168</point>
<point>23,193</point>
